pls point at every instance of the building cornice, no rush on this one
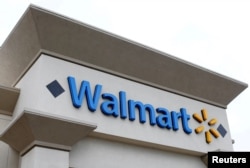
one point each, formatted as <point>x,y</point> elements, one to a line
<point>32,128</point>
<point>40,31</point>
<point>8,99</point>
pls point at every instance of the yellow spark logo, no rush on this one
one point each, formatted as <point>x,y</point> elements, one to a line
<point>212,122</point>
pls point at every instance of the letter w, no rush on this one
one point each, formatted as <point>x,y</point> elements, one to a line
<point>77,98</point>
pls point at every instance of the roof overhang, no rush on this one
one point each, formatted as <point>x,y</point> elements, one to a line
<point>44,129</point>
<point>41,31</point>
<point>8,99</point>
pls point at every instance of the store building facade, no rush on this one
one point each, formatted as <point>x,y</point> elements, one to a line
<point>72,95</point>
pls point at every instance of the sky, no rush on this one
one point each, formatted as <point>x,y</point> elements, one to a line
<point>214,34</point>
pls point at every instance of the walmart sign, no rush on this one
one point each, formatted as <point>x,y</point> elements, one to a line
<point>121,106</point>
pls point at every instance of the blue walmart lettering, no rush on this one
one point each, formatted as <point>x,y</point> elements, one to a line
<point>112,105</point>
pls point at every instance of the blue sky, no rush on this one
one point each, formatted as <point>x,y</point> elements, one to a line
<point>213,34</point>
